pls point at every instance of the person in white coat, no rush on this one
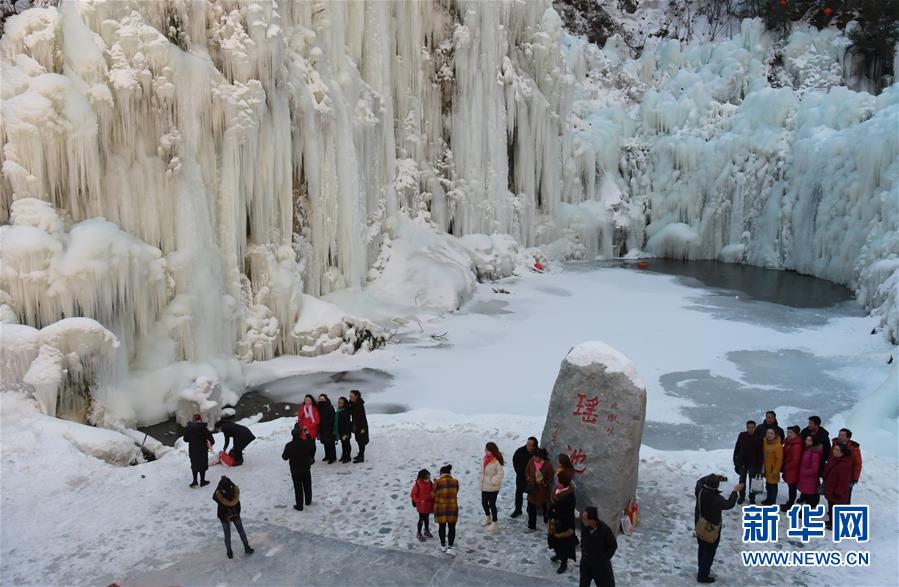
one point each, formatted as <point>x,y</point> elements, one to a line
<point>491,481</point>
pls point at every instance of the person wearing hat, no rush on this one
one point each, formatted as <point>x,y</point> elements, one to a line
<point>709,505</point>
<point>446,508</point>
<point>598,546</point>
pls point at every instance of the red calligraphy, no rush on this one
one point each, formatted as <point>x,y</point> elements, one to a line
<point>586,408</point>
<point>578,459</point>
<point>610,430</point>
<point>612,418</point>
<point>555,435</point>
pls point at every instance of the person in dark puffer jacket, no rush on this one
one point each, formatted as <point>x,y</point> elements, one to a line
<point>227,496</point>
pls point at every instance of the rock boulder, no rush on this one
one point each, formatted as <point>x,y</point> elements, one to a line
<point>596,416</point>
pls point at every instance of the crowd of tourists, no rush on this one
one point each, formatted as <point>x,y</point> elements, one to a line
<point>550,490</point>
<point>807,460</point>
<point>316,421</point>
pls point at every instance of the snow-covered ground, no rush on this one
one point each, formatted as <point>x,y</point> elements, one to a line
<point>70,518</point>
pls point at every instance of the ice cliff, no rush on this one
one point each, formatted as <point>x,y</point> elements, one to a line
<point>191,174</point>
<point>748,150</point>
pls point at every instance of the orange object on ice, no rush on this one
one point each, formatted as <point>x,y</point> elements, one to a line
<point>538,266</point>
<point>226,459</point>
<point>642,264</point>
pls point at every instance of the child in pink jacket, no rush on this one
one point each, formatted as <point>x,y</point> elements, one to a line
<point>423,501</point>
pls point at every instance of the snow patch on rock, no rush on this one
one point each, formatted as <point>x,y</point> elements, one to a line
<point>597,352</point>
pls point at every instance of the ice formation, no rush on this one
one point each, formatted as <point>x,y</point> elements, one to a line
<point>68,366</point>
<point>748,150</point>
<point>877,414</point>
<point>197,176</point>
<point>189,174</point>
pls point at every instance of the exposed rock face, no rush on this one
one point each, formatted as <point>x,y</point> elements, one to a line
<point>596,416</point>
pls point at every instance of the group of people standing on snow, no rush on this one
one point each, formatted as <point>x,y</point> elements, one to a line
<point>315,421</point>
<point>552,491</point>
<point>807,460</point>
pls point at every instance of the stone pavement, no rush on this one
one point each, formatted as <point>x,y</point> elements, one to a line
<point>285,557</point>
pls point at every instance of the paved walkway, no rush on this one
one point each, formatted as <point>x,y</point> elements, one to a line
<point>285,557</point>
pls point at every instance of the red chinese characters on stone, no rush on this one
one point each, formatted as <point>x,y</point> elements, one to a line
<point>586,408</point>
<point>578,459</point>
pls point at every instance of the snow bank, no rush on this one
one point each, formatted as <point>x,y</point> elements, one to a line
<point>107,445</point>
<point>594,351</point>
<point>495,256</point>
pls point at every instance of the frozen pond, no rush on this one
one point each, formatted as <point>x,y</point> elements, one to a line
<point>715,343</point>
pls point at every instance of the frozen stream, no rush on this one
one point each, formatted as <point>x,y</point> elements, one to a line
<point>715,343</point>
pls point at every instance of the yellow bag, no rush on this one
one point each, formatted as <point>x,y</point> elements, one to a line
<point>705,530</point>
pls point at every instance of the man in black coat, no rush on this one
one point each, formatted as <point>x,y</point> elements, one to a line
<point>710,504</point>
<point>241,435</point>
<point>519,462</point>
<point>771,422</point>
<point>344,428</point>
<point>748,457</point>
<point>299,456</point>
<point>326,428</point>
<point>598,546</point>
<point>821,436</point>
<point>197,435</point>
<point>360,423</point>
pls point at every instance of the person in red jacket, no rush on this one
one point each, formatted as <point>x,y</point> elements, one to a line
<point>792,456</point>
<point>423,501</point>
<point>837,479</point>
<point>809,465</point>
<point>855,451</point>
<point>309,419</point>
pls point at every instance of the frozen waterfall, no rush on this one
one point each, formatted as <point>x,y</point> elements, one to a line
<point>188,173</point>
